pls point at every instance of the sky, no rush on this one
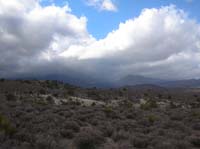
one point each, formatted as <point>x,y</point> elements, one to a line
<point>98,19</point>
<point>106,39</point>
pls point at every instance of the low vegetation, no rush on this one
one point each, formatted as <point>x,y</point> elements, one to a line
<point>56,116</point>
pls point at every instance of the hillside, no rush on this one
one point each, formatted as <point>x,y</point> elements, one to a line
<point>53,115</point>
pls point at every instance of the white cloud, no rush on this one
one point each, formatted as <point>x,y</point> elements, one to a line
<point>29,31</point>
<point>41,40</point>
<point>104,5</point>
<point>157,35</point>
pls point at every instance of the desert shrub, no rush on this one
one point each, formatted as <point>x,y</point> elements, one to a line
<point>160,132</point>
<point>126,125</point>
<point>149,104</point>
<point>195,141</point>
<point>169,97</point>
<point>42,91</point>
<point>160,96</point>
<point>56,94</point>
<point>172,144</point>
<point>66,95</point>
<point>125,89</point>
<point>50,99</point>
<point>109,112</point>
<point>108,109</point>
<point>107,129</point>
<point>24,136</point>
<point>31,92</point>
<point>175,125</point>
<point>177,115</point>
<point>40,102</point>
<point>172,105</point>
<point>181,144</point>
<point>11,97</point>
<point>2,80</point>
<point>110,145</point>
<point>146,94</point>
<point>69,134</point>
<point>164,144</point>
<point>43,142</point>
<point>78,103</point>
<point>121,93</point>
<point>52,84</point>
<point>195,114</point>
<point>130,116</point>
<point>72,125</point>
<point>125,145</point>
<point>152,118</point>
<point>5,126</point>
<point>89,138</point>
<point>120,135</point>
<point>93,104</point>
<point>71,92</point>
<point>196,126</point>
<point>128,104</point>
<point>139,141</point>
<point>27,81</point>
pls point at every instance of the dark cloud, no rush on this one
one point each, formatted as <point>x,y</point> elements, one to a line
<point>40,41</point>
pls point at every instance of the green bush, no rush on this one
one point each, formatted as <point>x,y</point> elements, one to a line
<point>108,109</point>
<point>52,84</point>
<point>5,126</point>
<point>195,114</point>
<point>152,118</point>
<point>40,102</point>
<point>128,104</point>
<point>150,104</point>
<point>93,104</point>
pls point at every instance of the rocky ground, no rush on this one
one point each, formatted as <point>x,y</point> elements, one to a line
<point>53,115</point>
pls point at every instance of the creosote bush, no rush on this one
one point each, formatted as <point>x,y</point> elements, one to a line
<point>152,118</point>
<point>11,97</point>
<point>72,125</point>
<point>93,104</point>
<point>89,138</point>
<point>5,126</point>
<point>149,104</point>
<point>195,141</point>
<point>108,109</point>
<point>139,141</point>
<point>40,102</point>
<point>195,114</point>
<point>69,134</point>
<point>50,99</point>
<point>42,91</point>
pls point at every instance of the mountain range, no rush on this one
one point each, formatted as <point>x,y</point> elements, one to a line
<point>130,80</point>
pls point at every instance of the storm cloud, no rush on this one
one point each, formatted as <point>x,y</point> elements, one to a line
<point>42,40</point>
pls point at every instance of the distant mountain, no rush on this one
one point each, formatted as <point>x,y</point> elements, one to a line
<point>137,80</point>
<point>80,80</point>
<point>132,80</point>
<point>192,83</point>
<point>84,80</point>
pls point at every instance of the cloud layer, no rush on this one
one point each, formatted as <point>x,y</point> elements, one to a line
<point>36,40</point>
